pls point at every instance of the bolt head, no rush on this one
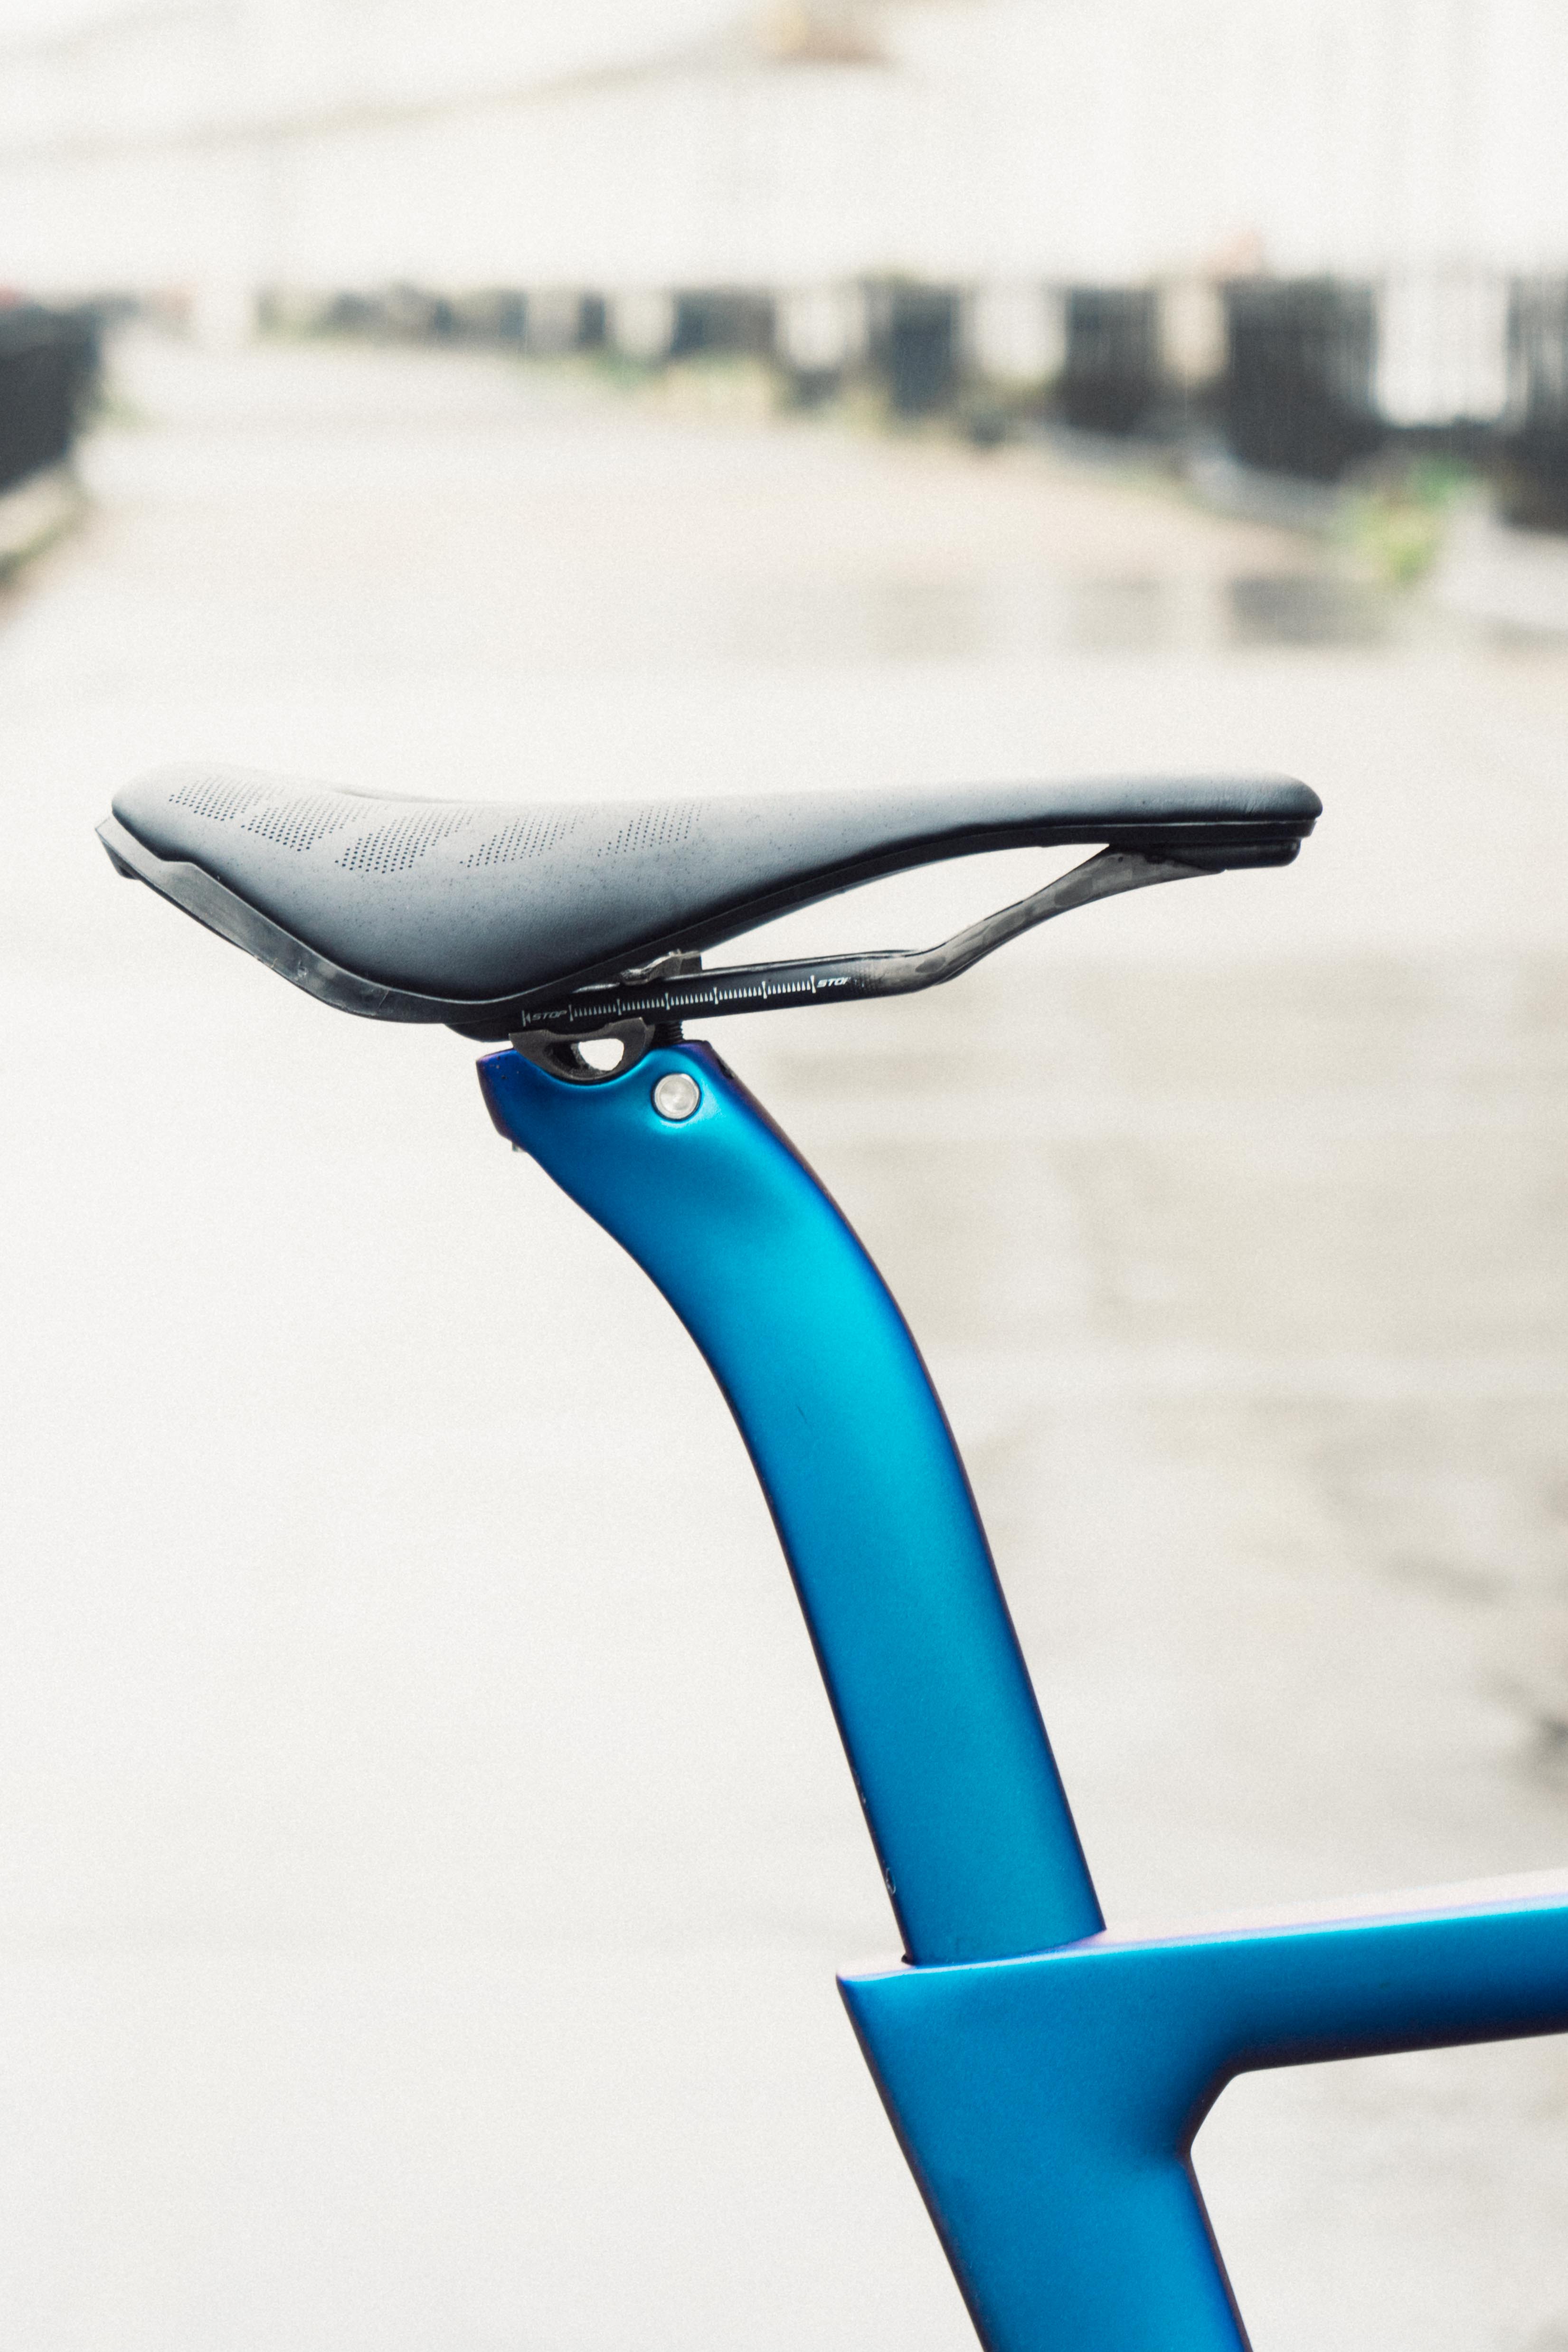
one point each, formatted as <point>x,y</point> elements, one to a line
<point>675,1097</point>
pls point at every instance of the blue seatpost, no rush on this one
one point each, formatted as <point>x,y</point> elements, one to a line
<point>961,1793</point>
<point>1045,2078</point>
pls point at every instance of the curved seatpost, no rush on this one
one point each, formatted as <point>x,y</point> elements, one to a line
<point>927,1682</point>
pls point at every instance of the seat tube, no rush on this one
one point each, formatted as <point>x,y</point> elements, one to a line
<point>928,1684</point>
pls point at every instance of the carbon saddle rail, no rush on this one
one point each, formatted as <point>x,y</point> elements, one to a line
<point>497,918</point>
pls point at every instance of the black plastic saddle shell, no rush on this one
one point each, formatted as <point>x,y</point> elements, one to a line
<point>464,911</point>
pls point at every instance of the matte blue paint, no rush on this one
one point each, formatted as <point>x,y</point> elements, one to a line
<point>1047,2088</point>
<point>1046,2105</point>
<point>872,1507</point>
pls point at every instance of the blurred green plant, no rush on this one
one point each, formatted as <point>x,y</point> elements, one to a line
<point>1394,520</point>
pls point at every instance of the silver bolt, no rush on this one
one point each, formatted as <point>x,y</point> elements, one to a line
<point>676,1095</point>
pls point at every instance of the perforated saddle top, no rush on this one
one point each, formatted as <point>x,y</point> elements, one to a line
<point>464,911</point>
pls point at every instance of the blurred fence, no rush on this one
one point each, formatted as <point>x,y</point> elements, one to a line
<point>1304,377</point>
<point>722,321</point>
<point>1297,390</point>
<point>1109,380</point>
<point>912,342</point>
<point>48,369</point>
<point>1533,470</point>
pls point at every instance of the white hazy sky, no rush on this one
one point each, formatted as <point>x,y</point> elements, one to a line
<point>561,35</point>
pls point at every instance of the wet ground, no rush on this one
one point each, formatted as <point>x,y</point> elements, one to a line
<point>423,1851</point>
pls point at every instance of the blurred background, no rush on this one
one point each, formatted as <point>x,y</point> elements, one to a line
<point>425,1850</point>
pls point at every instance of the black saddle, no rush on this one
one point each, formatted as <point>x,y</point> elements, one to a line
<point>565,916</point>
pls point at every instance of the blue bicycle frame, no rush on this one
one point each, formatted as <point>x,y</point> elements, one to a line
<point>1046,2077</point>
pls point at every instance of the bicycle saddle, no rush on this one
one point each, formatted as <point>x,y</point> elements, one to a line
<point>497,917</point>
